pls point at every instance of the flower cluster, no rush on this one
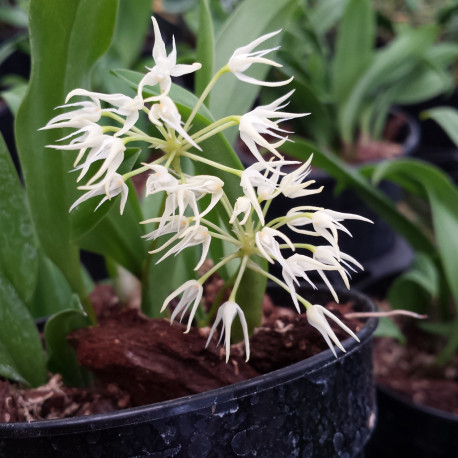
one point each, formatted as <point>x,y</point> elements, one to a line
<point>184,218</point>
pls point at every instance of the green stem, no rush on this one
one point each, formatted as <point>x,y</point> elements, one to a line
<point>239,278</point>
<point>217,165</point>
<point>207,90</point>
<point>135,172</point>
<point>216,267</point>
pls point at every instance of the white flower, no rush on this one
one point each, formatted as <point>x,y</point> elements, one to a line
<point>192,293</point>
<point>126,106</point>
<point>243,58</point>
<point>329,256</point>
<point>269,247</point>
<point>86,112</point>
<point>315,316</point>
<point>325,223</point>
<point>160,180</point>
<point>226,314</point>
<point>297,265</point>
<point>253,178</point>
<point>167,111</point>
<point>257,122</point>
<point>192,236</point>
<point>112,151</point>
<point>173,225</point>
<point>242,205</point>
<point>114,186</point>
<point>292,185</point>
<point>165,66</point>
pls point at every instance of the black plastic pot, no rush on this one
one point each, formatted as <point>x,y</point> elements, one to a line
<point>408,429</point>
<point>321,406</point>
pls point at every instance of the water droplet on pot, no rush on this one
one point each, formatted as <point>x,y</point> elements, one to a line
<point>338,441</point>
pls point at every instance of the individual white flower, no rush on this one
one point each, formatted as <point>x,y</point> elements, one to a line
<point>192,294</point>
<point>297,266</point>
<point>315,316</point>
<point>192,236</point>
<point>329,256</point>
<point>226,314</point>
<point>243,58</point>
<point>256,122</point>
<point>114,186</point>
<point>86,112</point>
<point>173,225</point>
<point>242,205</point>
<point>125,106</point>
<point>111,151</point>
<point>325,223</point>
<point>269,247</point>
<point>160,180</point>
<point>165,66</point>
<point>253,178</point>
<point>89,136</point>
<point>292,185</point>
<point>167,111</point>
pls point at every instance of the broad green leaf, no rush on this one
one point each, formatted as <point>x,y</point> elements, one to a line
<point>205,49</point>
<point>21,354</point>
<point>53,293</point>
<point>443,196</point>
<point>13,15</point>
<point>61,355</point>
<point>66,40</point>
<point>18,243</point>
<point>447,118</point>
<point>391,61</point>
<point>347,176</point>
<point>245,24</point>
<point>356,32</point>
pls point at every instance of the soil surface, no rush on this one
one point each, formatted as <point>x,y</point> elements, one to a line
<point>411,369</point>
<point>137,360</point>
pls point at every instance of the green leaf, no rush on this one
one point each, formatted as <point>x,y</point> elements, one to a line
<point>61,356</point>
<point>356,31</point>
<point>119,236</point>
<point>18,244</point>
<point>205,49</point>
<point>21,355</point>
<point>447,118</point>
<point>388,328</point>
<point>66,40</point>
<point>327,14</point>
<point>443,196</point>
<point>392,61</point>
<point>84,217</point>
<point>230,96</point>
<point>53,293</point>
<point>14,96</point>
<point>415,289</point>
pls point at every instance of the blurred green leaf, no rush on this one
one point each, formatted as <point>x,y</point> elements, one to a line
<point>61,356</point>
<point>387,328</point>
<point>66,38</point>
<point>356,32</point>
<point>18,243</point>
<point>447,118</point>
<point>388,64</point>
<point>205,49</point>
<point>21,354</point>
<point>14,96</point>
<point>326,14</point>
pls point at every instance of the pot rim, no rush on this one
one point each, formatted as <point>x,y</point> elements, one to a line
<point>419,408</point>
<point>133,415</point>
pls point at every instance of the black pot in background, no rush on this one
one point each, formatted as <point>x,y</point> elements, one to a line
<point>321,406</point>
<point>408,429</point>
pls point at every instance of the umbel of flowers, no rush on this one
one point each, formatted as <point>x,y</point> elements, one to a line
<point>184,220</point>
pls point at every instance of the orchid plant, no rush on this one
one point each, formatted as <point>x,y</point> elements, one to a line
<point>105,123</point>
